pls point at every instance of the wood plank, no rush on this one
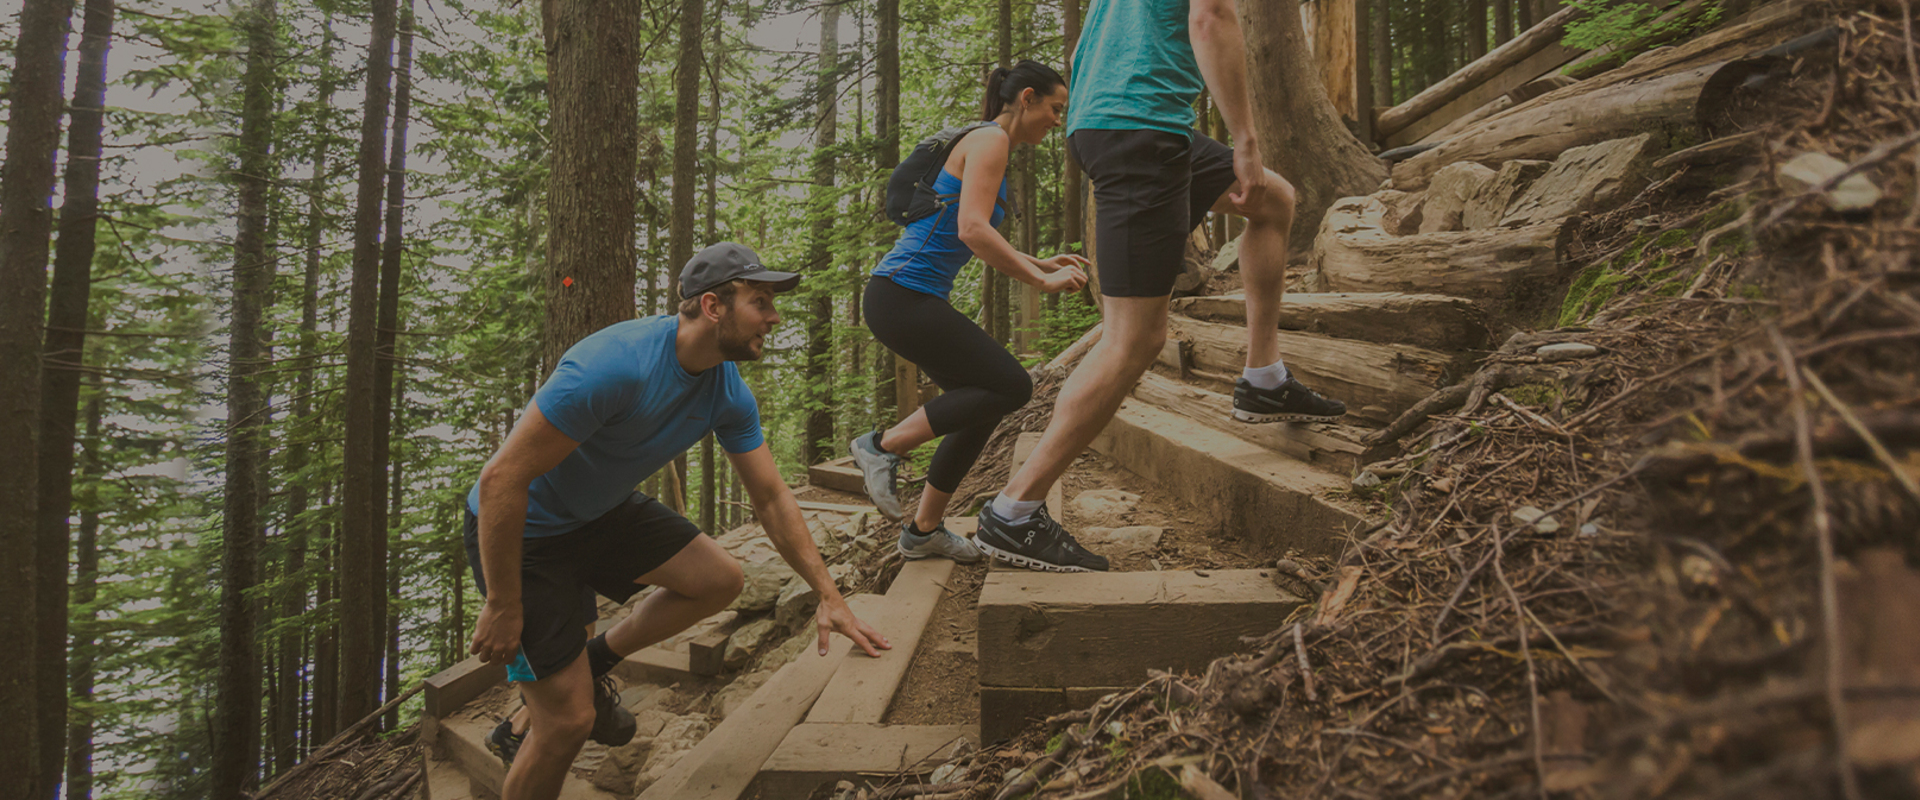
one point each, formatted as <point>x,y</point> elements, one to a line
<point>1330,446</point>
<point>840,476</point>
<point>1109,629</point>
<point>1007,710</point>
<point>838,508</point>
<point>1433,321</point>
<point>1376,381</point>
<point>465,744</point>
<point>657,665</point>
<point>453,687</point>
<point>863,688</point>
<point>1023,448</point>
<point>706,653</point>
<point>816,754</point>
<point>722,765</point>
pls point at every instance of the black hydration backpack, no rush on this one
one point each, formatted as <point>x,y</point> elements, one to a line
<point>910,193</point>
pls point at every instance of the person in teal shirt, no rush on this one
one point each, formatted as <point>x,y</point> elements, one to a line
<point>1136,72</point>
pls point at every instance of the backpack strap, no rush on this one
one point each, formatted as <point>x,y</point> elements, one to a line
<point>943,201</point>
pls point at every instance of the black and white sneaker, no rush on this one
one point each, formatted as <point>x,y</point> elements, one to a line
<point>881,472</point>
<point>1039,543</point>
<point>503,742</point>
<point>1288,402</point>
<point>613,724</point>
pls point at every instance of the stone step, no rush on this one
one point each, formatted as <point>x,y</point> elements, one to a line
<point>820,754</point>
<point>1433,321</point>
<point>1330,446</point>
<point>1272,501</point>
<point>1376,381</point>
<point>464,742</point>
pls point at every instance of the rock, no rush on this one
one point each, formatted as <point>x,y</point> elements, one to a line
<point>1133,540</point>
<point>1541,521</point>
<point>1566,351</point>
<point>1593,178</point>
<point>802,641</point>
<point>1365,480</point>
<point>746,641</point>
<point>824,536</point>
<point>1228,259</point>
<point>1812,168</point>
<point>1513,179</point>
<point>1452,189</point>
<point>635,698</point>
<point>944,773</point>
<point>764,582</point>
<point>673,742</point>
<point>1192,282</point>
<point>1404,211</point>
<point>797,601</point>
<point>728,700</point>
<point>1104,507</point>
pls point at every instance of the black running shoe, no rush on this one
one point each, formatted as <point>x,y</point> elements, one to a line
<point>503,742</point>
<point>1039,543</point>
<point>613,724</point>
<point>1288,402</point>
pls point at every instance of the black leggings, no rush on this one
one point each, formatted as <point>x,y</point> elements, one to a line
<point>980,381</point>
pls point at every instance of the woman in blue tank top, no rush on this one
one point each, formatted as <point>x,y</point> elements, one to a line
<point>907,308</point>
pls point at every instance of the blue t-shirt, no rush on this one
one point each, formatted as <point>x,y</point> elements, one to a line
<point>1134,68</point>
<point>929,254</point>
<point>622,394</point>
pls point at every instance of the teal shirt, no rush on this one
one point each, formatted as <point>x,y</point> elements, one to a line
<point>1134,68</point>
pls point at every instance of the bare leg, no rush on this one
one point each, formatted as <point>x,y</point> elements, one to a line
<point>1136,327</point>
<point>560,715</point>
<point>1263,264</point>
<point>912,432</point>
<point>698,582</point>
<point>933,508</point>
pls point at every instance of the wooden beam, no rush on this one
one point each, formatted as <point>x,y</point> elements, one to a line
<point>722,765</point>
<point>1330,446</point>
<point>816,754</point>
<point>1438,322</point>
<point>1376,381</point>
<point>1513,52</point>
<point>1438,123</point>
<point>840,476</point>
<point>657,665</point>
<point>863,688</point>
<point>837,508</point>
<point>1110,628</point>
<point>451,688</point>
<point>1007,710</point>
<point>706,653</point>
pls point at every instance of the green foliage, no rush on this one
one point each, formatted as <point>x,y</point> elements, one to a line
<point>1631,28</point>
<point>1063,324</point>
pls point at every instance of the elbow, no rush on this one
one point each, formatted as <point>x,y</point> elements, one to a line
<point>1208,21</point>
<point>494,477</point>
<point>975,235</point>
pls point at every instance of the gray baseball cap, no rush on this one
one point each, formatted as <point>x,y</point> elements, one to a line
<point>728,261</point>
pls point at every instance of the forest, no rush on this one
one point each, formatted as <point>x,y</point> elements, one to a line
<point>278,277</point>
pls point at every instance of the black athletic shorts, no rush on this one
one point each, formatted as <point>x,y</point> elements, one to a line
<point>560,574</point>
<point>1150,188</point>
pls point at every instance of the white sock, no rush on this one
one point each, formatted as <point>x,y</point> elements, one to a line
<point>1014,511</point>
<point>1267,377</point>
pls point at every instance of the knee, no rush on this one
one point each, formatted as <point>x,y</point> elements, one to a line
<point>1015,395</point>
<point>1276,205</point>
<point>570,727</point>
<point>1143,347</point>
<point>722,583</point>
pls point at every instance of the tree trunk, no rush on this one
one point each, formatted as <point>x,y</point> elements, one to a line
<point>1073,187</point>
<point>64,352</point>
<point>593,87</point>
<point>388,325</point>
<point>1301,136</point>
<point>1546,34</point>
<point>708,465</point>
<point>395,505</point>
<point>86,563</point>
<point>886,125</point>
<point>326,648</point>
<point>686,168</point>
<point>1505,269</point>
<point>1364,43</point>
<point>819,431</point>
<point>1382,53</point>
<point>236,721</point>
<point>362,477</point>
<point>26,224</point>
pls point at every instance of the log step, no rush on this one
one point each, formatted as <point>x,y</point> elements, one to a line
<point>1332,447</point>
<point>821,754</point>
<point>1272,501</point>
<point>453,687</point>
<point>465,743</point>
<point>840,476</point>
<point>1432,321</point>
<point>1376,381</point>
<point>863,688</point>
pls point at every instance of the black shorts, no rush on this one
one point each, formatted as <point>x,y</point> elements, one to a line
<point>560,574</point>
<point>1150,188</point>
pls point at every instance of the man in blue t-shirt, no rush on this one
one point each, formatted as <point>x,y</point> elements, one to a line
<point>554,517</point>
<point>1136,72</point>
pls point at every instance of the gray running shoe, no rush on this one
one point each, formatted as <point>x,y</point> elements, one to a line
<point>942,542</point>
<point>882,471</point>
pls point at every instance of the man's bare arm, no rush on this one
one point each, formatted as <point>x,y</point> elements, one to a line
<point>780,515</point>
<point>1218,45</point>
<point>532,448</point>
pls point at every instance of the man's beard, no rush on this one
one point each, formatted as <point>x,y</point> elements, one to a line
<point>736,344</point>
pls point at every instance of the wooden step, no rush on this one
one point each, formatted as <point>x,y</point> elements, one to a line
<point>1432,321</point>
<point>1332,447</point>
<point>1272,501</point>
<point>465,743</point>
<point>444,781</point>
<point>820,754</point>
<point>863,688</point>
<point>1507,271</point>
<point>840,476</point>
<point>451,688</point>
<point>1376,381</point>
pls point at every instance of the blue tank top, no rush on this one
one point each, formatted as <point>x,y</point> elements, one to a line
<point>929,253</point>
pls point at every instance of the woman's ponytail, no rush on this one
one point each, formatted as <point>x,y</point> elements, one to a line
<point>1005,85</point>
